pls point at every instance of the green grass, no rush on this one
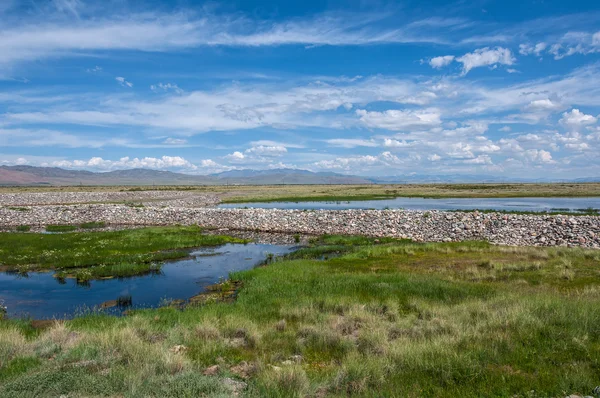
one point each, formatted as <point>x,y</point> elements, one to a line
<point>61,228</point>
<point>104,251</point>
<point>21,209</point>
<point>93,225</point>
<point>385,318</point>
<point>23,228</point>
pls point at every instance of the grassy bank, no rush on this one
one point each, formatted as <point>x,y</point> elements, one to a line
<point>261,193</point>
<point>91,255</point>
<point>384,318</point>
<point>340,193</point>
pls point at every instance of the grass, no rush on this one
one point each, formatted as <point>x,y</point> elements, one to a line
<point>93,225</point>
<point>259,193</point>
<point>60,228</point>
<point>384,318</point>
<point>23,228</point>
<point>93,255</point>
<point>340,193</point>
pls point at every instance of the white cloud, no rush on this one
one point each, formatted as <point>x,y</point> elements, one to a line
<point>98,163</point>
<point>481,159</point>
<point>123,82</point>
<point>434,157</point>
<point>400,119</point>
<point>575,119</point>
<point>174,141</point>
<point>486,57</point>
<point>505,129</point>
<point>543,105</point>
<point>95,69</point>
<point>267,150</point>
<point>573,43</point>
<point>235,157</point>
<point>259,154</point>
<point>440,62</point>
<point>49,34</point>
<point>391,143</point>
<point>351,142</point>
<point>275,143</point>
<point>354,163</point>
<point>528,49</point>
<point>538,156</point>
<point>166,87</point>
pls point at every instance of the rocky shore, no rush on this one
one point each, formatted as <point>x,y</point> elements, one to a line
<point>433,226</point>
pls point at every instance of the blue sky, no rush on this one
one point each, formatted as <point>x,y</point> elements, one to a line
<point>508,88</point>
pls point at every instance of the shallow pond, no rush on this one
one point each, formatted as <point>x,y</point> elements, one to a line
<point>41,296</point>
<point>507,204</point>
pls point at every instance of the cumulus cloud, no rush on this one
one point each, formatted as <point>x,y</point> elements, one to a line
<point>434,157</point>
<point>235,157</point>
<point>257,154</point>
<point>162,163</point>
<point>400,119</point>
<point>440,62</point>
<point>538,156</point>
<point>353,163</point>
<point>544,105</point>
<point>123,82</point>
<point>486,57</point>
<point>267,150</point>
<point>575,119</point>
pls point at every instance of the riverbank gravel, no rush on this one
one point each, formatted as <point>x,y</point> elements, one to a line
<point>423,226</point>
<point>148,198</point>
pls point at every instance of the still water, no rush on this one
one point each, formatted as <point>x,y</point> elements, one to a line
<point>40,296</point>
<point>508,204</point>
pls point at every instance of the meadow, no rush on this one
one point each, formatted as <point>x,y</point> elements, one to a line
<point>346,316</point>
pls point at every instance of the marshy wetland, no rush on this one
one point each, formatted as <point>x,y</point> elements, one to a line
<point>339,315</point>
<point>342,316</point>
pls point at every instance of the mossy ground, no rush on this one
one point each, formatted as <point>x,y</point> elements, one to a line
<point>384,318</point>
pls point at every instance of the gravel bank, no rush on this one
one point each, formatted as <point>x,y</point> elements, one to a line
<point>150,198</point>
<point>433,226</point>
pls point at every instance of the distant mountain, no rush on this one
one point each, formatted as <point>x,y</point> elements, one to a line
<point>287,176</point>
<point>30,175</point>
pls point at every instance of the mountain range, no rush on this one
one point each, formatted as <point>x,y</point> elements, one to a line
<point>49,176</point>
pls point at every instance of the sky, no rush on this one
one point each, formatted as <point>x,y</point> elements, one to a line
<point>366,87</point>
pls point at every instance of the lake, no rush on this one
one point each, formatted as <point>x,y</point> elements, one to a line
<point>505,204</point>
<point>41,296</point>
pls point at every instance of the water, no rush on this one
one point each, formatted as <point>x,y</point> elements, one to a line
<point>40,296</point>
<point>508,204</point>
